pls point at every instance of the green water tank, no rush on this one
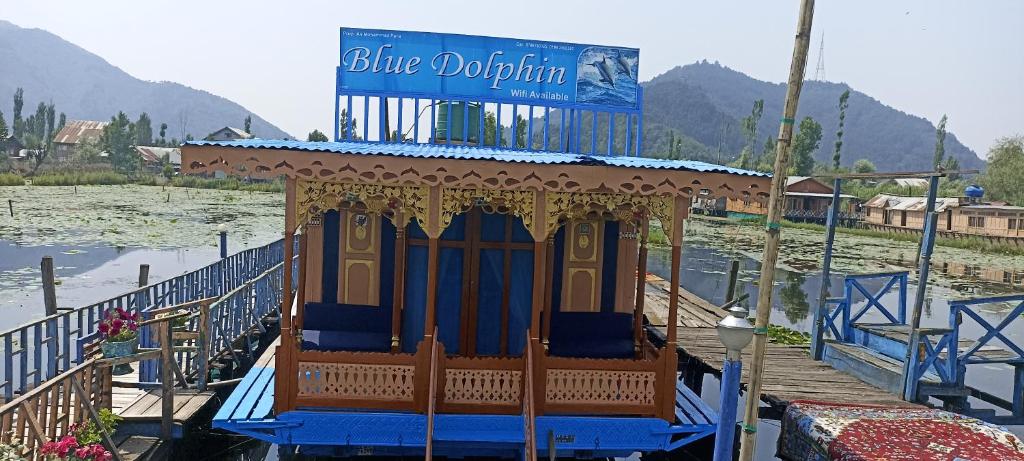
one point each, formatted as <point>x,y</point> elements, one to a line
<point>459,111</point>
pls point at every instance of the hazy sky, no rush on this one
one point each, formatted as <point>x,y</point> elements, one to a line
<point>925,57</point>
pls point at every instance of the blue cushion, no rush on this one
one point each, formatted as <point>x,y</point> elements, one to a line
<point>346,327</point>
<point>591,334</point>
<point>346,317</point>
<point>359,341</point>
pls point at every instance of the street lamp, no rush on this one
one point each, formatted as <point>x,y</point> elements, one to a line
<point>735,332</point>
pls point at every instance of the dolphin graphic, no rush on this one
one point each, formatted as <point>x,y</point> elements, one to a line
<point>623,65</point>
<point>605,70</point>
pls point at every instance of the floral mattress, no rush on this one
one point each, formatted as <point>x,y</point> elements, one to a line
<point>819,431</point>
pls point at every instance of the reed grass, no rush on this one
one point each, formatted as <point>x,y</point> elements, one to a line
<point>11,179</point>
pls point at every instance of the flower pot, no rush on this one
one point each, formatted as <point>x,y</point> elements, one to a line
<point>120,349</point>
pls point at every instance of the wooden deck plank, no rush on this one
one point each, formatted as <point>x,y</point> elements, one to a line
<point>253,394</point>
<point>789,372</point>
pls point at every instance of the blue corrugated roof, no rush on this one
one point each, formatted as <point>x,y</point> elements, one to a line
<point>476,153</point>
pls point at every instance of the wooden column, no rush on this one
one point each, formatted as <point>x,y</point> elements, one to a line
<point>285,352</point>
<point>398,298</point>
<point>432,275</point>
<point>300,290</point>
<point>539,283</point>
<point>641,287</point>
<point>670,353</point>
<point>549,275</point>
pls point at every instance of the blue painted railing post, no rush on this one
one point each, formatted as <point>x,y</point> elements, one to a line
<point>735,332</point>
<point>223,242</point>
<point>927,245</point>
<point>818,327</point>
<point>725,437</point>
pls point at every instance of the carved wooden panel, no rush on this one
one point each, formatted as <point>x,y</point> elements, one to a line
<point>359,258</point>
<point>475,386</point>
<point>625,280</point>
<point>314,260</point>
<point>356,381</point>
<point>600,387</point>
<point>581,287</point>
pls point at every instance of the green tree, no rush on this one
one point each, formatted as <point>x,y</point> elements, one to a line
<point>749,126</point>
<point>863,166</point>
<point>118,139</point>
<point>88,152</point>
<point>19,104</point>
<point>316,136</point>
<point>940,142</point>
<point>143,130</point>
<point>39,122</point>
<point>844,102</point>
<point>3,128</point>
<point>805,144</point>
<point>163,134</point>
<point>248,124</point>
<point>766,161</point>
<point>347,122</point>
<point>62,120</point>
<point>1002,175</point>
<point>492,135</point>
<point>51,121</point>
<point>521,124</point>
<point>951,164</point>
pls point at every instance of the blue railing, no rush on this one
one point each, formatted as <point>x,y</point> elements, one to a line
<point>943,355</point>
<point>840,320</point>
<point>237,315</point>
<point>554,127</point>
<point>43,348</point>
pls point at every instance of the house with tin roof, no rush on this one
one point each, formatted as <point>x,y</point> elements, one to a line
<point>74,133</point>
<point>228,133</point>
<point>958,216</point>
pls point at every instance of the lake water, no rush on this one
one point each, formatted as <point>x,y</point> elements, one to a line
<point>98,236</point>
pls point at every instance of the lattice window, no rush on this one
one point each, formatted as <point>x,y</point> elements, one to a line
<point>356,381</point>
<point>482,386</point>
<point>600,387</point>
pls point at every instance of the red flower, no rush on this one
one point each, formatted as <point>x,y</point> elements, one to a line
<point>104,327</point>
<point>121,312</point>
<point>117,323</point>
<point>83,452</point>
<point>49,448</point>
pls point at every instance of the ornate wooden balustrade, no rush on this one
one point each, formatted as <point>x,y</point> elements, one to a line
<point>481,385</point>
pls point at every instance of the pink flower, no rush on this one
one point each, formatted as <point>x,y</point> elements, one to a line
<point>117,323</point>
<point>104,327</point>
<point>83,452</point>
<point>136,317</point>
<point>49,448</point>
<point>121,312</point>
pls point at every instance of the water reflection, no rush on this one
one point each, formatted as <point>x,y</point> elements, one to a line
<point>794,299</point>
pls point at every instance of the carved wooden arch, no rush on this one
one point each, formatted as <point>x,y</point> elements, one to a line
<point>561,206</point>
<point>520,203</point>
<point>313,198</point>
<point>469,173</point>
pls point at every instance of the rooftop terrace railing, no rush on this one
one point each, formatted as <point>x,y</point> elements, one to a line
<point>43,348</point>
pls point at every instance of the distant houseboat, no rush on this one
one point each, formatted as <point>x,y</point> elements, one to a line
<point>958,217</point>
<point>807,200</point>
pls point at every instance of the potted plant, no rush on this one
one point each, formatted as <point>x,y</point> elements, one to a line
<point>70,449</point>
<point>119,330</point>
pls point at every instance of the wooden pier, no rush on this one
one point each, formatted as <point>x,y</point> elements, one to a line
<point>790,372</point>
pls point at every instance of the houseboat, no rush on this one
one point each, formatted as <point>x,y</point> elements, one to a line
<point>807,200</point>
<point>461,293</point>
<point>967,216</point>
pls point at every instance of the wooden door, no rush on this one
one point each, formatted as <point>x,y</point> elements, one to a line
<point>581,277</point>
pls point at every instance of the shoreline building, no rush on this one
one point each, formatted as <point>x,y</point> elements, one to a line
<point>959,217</point>
<point>74,133</point>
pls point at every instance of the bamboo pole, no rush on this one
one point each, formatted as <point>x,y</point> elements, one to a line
<point>748,439</point>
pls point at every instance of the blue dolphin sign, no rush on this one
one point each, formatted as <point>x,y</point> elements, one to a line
<point>451,66</point>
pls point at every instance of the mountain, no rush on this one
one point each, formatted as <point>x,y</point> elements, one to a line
<point>705,102</point>
<point>84,86</point>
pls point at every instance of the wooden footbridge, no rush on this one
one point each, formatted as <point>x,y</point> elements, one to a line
<point>790,372</point>
<point>52,376</point>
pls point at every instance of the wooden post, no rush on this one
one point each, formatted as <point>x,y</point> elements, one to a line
<point>10,206</point>
<point>734,275</point>
<point>203,346</point>
<point>49,286</point>
<point>818,327</point>
<point>166,382</point>
<point>143,275</point>
<point>300,291</point>
<point>284,355</point>
<point>925,260</point>
<point>641,287</point>
<point>432,275</point>
<point>539,260</point>
<point>398,298</point>
<point>776,200</point>
<point>549,274</point>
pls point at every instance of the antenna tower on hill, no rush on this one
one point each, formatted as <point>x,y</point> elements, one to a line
<point>819,70</point>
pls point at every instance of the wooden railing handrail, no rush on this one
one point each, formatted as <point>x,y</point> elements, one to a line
<point>45,386</point>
